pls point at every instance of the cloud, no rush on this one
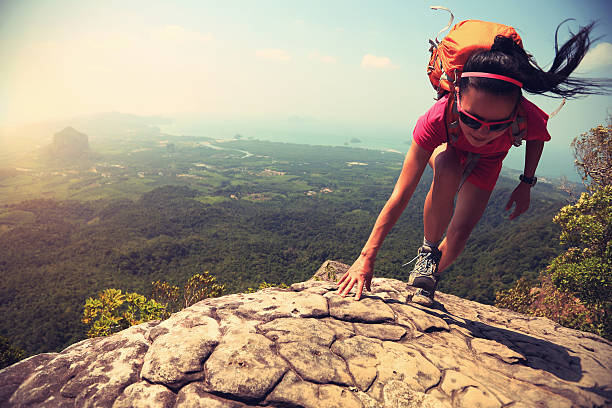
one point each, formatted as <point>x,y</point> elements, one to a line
<point>316,56</point>
<point>273,54</point>
<point>597,59</point>
<point>175,33</point>
<point>373,61</point>
<point>112,70</point>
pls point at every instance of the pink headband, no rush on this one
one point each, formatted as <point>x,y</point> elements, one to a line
<point>494,76</point>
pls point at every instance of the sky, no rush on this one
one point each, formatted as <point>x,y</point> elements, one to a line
<point>350,66</point>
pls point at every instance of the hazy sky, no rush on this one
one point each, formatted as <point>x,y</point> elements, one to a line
<point>334,61</point>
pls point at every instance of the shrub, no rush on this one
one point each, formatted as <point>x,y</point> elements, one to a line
<point>198,287</point>
<point>9,354</point>
<point>518,298</point>
<point>113,311</point>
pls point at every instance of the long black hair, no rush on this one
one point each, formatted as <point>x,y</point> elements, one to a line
<point>508,58</point>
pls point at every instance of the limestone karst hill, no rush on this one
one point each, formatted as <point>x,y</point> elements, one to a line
<point>308,347</point>
<point>69,144</point>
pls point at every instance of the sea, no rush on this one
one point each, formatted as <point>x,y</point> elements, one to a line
<point>556,162</point>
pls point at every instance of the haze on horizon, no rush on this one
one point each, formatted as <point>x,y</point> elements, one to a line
<point>339,64</point>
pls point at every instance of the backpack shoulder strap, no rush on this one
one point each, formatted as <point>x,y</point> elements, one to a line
<point>451,119</point>
<point>519,127</point>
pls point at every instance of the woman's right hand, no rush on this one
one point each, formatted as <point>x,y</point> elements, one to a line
<point>360,273</point>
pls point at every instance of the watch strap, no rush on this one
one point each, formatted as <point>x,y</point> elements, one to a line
<point>529,180</point>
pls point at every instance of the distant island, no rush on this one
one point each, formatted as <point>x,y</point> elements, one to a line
<point>353,140</point>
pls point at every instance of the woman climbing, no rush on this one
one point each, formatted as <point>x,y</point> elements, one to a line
<point>466,154</point>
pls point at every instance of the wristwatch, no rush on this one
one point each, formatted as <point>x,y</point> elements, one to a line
<point>529,180</point>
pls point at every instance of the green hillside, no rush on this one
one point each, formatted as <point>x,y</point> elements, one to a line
<point>251,212</point>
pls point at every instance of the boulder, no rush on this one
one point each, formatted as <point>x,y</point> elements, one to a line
<point>307,347</point>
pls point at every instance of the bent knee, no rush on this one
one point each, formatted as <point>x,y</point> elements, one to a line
<point>447,166</point>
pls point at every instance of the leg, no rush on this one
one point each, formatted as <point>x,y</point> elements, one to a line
<point>448,172</point>
<point>438,210</point>
<point>471,203</point>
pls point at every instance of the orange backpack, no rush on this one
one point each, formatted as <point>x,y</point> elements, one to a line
<point>449,55</point>
<point>446,65</point>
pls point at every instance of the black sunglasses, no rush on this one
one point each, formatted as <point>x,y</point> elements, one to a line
<point>474,123</point>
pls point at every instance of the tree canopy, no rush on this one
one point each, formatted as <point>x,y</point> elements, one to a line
<point>576,288</point>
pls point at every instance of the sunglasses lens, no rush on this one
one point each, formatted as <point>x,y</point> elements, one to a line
<point>469,122</point>
<point>500,126</point>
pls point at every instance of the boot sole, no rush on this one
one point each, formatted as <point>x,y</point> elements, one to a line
<point>422,282</point>
<point>422,300</point>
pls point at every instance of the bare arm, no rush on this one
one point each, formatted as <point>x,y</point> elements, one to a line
<point>522,193</point>
<point>362,270</point>
<point>533,152</point>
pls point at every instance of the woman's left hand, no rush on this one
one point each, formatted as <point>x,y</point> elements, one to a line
<point>521,197</point>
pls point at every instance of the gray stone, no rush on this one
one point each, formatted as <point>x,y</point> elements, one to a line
<point>14,375</point>
<point>474,396</point>
<point>91,373</point>
<point>286,330</point>
<point>296,392</point>
<point>467,390</point>
<point>380,331</point>
<point>500,351</point>
<point>367,401</point>
<point>367,310</point>
<point>232,322</point>
<point>397,394</point>
<point>145,395</point>
<point>330,271</point>
<point>244,366</point>
<point>190,348</point>
<point>361,355</point>
<point>194,395</point>
<point>408,315</point>
<point>274,303</point>
<point>315,363</point>
<point>196,315</point>
<point>341,329</point>
<point>317,287</point>
<point>405,364</point>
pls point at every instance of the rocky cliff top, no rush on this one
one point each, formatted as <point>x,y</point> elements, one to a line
<point>308,347</point>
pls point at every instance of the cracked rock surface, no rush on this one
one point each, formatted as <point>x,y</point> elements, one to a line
<point>307,347</point>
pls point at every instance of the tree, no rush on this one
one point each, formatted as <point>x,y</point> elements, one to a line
<point>9,354</point>
<point>518,298</point>
<point>113,311</point>
<point>593,154</point>
<point>198,287</point>
<point>585,269</point>
<point>265,285</point>
<point>576,289</point>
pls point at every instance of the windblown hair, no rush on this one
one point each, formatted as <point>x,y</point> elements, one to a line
<point>507,58</point>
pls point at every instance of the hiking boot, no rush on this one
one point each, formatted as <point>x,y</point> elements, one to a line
<point>423,297</point>
<point>424,275</point>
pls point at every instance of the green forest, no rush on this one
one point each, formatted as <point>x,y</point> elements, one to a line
<point>145,209</point>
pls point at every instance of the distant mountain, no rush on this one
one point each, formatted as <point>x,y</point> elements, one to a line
<point>69,144</point>
<point>117,125</point>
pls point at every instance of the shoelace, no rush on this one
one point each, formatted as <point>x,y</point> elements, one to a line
<point>411,261</point>
<point>428,261</point>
